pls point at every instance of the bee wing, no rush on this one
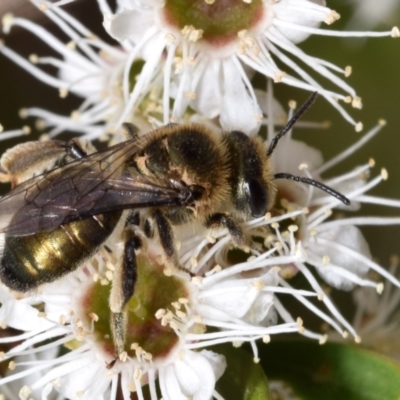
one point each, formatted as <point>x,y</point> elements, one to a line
<point>100,182</point>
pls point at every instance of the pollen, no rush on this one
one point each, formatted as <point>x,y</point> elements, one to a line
<point>7,21</point>
<point>12,365</point>
<point>279,76</point>
<point>384,174</point>
<point>347,71</point>
<point>109,275</point>
<point>266,339</point>
<point>176,305</point>
<point>94,317</point>
<point>43,7</point>
<point>380,287</point>
<point>190,95</point>
<point>357,339</point>
<point>197,280</point>
<point>357,103</point>
<point>359,127</point>
<point>56,382</point>
<point>395,32</point>
<point>24,392</point>
<point>160,313</point>
<point>63,92</point>
<point>326,260</point>
<point>258,284</point>
<point>303,166</point>
<point>198,319</point>
<point>33,58</point>
<point>71,45</point>
<point>75,115</point>
<point>332,17</point>
<point>167,271</point>
<point>323,339</point>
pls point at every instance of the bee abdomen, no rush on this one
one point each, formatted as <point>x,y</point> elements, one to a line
<point>29,261</point>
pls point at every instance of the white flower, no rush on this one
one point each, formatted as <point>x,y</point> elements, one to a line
<point>5,135</point>
<point>299,238</point>
<point>82,372</point>
<point>156,62</point>
<point>206,65</point>
<point>88,67</point>
<point>376,317</point>
<point>237,293</point>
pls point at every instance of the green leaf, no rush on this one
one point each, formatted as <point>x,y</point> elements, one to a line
<point>243,379</point>
<point>332,371</point>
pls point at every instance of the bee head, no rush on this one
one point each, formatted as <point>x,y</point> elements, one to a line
<point>250,175</point>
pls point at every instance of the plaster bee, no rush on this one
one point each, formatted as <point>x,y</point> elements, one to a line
<point>52,222</point>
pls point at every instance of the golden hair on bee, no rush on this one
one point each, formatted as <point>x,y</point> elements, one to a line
<point>177,174</point>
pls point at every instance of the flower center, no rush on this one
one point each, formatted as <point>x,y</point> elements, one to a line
<point>219,21</point>
<point>153,291</point>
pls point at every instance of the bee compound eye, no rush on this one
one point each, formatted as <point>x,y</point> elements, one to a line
<point>258,198</point>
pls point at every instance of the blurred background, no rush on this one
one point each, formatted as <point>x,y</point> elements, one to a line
<point>376,78</point>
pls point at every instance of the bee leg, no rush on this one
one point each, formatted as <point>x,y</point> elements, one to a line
<point>221,220</point>
<point>167,239</point>
<point>123,286</point>
<point>131,131</point>
<point>75,149</point>
<point>165,234</point>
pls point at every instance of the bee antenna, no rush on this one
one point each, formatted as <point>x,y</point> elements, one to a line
<point>292,121</point>
<point>317,184</point>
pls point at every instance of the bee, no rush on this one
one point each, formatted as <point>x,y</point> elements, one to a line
<point>53,222</point>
